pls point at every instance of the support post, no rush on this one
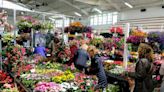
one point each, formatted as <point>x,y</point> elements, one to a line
<point>63,28</point>
<point>14,19</point>
<point>125,57</point>
<point>1,53</point>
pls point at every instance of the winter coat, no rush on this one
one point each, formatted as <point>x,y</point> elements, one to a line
<point>143,76</point>
<point>98,69</point>
<point>80,59</point>
<point>40,50</point>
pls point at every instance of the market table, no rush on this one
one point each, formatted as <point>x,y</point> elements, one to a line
<point>118,80</point>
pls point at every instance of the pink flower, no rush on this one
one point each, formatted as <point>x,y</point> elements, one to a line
<point>7,85</point>
<point>23,51</point>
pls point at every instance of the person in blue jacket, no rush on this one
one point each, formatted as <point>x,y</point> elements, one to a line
<point>81,57</point>
<point>41,50</point>
<point>97,68</point>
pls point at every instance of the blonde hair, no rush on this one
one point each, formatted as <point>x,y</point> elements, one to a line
<point>94,49</point>
<point>84,46</point>
<point>145,51</point>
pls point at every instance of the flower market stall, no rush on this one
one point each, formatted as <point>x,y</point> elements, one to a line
<point>23,70</point>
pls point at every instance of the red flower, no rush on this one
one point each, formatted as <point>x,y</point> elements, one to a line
<point>23,51</point>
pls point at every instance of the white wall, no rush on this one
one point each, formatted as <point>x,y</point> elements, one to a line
<point>157,11</point>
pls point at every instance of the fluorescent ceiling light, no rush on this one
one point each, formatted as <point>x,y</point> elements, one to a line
<point>129,5</point>
<point>78,14</point>
<point>97,10</point>
<point>11,5</point>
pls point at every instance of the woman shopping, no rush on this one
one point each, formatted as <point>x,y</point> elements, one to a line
<point>97,67</point>
<point>144,69</point>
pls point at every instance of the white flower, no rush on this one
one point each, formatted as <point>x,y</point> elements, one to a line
<point>32,70</point>
<point>88,84</point>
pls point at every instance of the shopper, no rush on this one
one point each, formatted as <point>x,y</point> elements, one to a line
<point>81,57</point>
<point>144,69</point>
<point>41,50</point>
<point>97,67</point>
<point>161,72</point>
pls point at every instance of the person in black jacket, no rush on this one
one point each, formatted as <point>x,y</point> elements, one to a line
<point>97,67</point>
<point>144,69</point>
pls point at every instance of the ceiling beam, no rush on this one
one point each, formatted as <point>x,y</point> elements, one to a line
<point>114,5</point>
<point>75,6</point>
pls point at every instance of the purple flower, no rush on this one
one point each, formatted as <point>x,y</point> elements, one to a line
<point>154,36</point>
<point>135,39</point>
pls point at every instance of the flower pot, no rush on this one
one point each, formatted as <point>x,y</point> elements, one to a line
<point>26,30</point>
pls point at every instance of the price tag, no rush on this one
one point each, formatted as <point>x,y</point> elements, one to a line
<point>48,55</point>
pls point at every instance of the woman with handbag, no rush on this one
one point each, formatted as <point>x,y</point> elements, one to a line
<point>144,69</point>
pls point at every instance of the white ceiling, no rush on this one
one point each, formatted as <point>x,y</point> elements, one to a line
<point>85,7</point>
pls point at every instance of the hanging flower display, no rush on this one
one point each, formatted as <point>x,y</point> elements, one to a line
<point>136,32</point>
<point>47,25</point>
<point>26,23</point>
<point>74,27</point>
<point>135,39</point>
<point>76,24</point>
<point>118,30</point>
<point>154,37</point>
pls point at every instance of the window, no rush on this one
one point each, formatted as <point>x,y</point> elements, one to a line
<point>114,19</point>
<point>59,22</point>
<point>103,19</point>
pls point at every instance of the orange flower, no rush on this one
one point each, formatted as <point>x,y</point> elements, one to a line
<point>139,33</point>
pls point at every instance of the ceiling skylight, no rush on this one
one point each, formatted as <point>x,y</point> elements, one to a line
<point>11,5</point>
